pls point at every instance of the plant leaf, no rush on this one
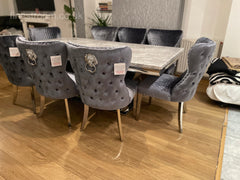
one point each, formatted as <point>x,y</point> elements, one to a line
<point>68,9</point>
<point>71,18</point>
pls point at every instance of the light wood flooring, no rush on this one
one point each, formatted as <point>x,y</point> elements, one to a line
<point>44,148</point>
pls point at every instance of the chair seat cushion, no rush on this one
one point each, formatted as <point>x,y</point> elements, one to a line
<point>158,87</point>
<point>132,88</point>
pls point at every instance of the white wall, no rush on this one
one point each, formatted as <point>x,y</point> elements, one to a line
<point>206,18</point>
<point>232,40</point>
<point>90,6</point>
<point>61,20</point>
<point>4,8</point>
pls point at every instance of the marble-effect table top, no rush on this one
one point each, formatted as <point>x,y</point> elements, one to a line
<point>143,56</point>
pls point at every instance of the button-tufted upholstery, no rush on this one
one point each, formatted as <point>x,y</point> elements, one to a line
<point>162,37</point>
<point>52,82</point>
<point>104,33</point>
<point>102,89</point>
<point>44,33</point>
<point>14,67</point>
<point>181,89</point>
<point>131,35</point>
<point>198,59</point>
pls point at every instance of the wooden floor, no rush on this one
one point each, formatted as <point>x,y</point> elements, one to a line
<point>44,148</point>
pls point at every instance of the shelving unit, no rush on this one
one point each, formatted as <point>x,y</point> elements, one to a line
<point>104,11</point>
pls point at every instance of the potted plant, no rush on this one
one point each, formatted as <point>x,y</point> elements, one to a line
<point>100,20</point>
<point>70,11</point>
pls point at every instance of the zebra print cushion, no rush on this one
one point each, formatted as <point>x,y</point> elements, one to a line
<point>224,78</point>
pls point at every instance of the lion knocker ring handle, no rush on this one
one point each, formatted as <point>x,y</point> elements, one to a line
<point>32,57</point>
<point>91,62</point>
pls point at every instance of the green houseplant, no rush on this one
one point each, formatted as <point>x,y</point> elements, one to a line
<point>100,20</point>
<point>70,11</point>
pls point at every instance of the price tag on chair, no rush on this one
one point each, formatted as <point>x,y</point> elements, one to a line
<point>119,68</point>
<point>14,52</point>
<point>56,61</point>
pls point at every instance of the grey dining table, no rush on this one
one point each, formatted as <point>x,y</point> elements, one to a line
<point>146,59</point>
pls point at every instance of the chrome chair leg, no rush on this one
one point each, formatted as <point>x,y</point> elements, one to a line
<point>120,125</point>
<point>68,113</point>
<point>139,101</point>
<point>15,93</point>
<point>180,115</point>
<point>42,105</point>
<point>33,99</point>
<point>85,116</point>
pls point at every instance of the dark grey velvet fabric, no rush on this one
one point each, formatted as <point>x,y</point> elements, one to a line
<point>104,33</point>
<point>158,87</point>
<point>102,89</point>
<point>38,34</point>
<point>52,82</point>
<point>131,35</point>
<point>181,89</point>
<point>162,37</point>
<point>14,67</point>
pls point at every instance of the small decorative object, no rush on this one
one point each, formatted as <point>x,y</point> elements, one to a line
<point>70,10</point>
<point>91,62</point>
<point>105,6</point>
<point>32,57</point>
<point>100,20</point>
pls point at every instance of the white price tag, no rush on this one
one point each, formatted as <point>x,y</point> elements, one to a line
<point>56,61</point>
<point>119,68</point>
<point>14,52</point>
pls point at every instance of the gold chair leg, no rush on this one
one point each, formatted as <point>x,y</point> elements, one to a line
<point>42,105</point>
<point>135,105</point>
<point>139,101</point>
<point>180,115</point>
<point>33,99</point>
<point>68,113</point>
<point>85,116</point>
<point>120,125</point>
<point>150,100</point>
<point>15,93</point>
<point>185,108</point>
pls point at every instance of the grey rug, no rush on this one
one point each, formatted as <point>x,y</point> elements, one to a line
<point>231,156</point>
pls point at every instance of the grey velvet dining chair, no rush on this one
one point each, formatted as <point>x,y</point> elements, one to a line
<point>161,37</point>
<point>131,35</point>
<point>104,33</point>
<point>46,61</point>
<point>98,86</point>
<point>44,33</point>
<point>183,88</point>
<point>15,67</point>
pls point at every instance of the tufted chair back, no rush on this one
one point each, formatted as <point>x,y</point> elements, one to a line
<point>104,33</point>
<point>38,34</point>
<point>164,37</point>
<point>101,89</point>
<point>52,82</point>
<point>198,59</point>
<point>131,35</point>
<point>14,67</point>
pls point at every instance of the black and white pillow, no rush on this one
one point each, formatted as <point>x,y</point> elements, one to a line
<point>225,78</point>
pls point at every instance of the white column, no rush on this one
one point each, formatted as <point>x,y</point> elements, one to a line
<point>231,45</point>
